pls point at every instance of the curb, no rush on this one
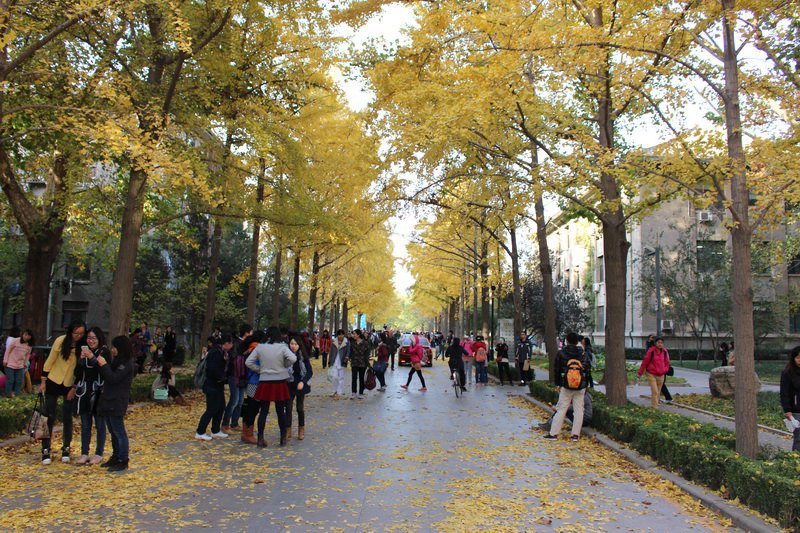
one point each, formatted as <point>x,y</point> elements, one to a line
<point>740,518</point>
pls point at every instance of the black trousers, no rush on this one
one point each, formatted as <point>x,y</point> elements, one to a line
<point>215,408</point>
<point>357,373</point>
<point>502,368</point>
<point>411,374</point>
<point>54,391</point>
<point>299,400</point>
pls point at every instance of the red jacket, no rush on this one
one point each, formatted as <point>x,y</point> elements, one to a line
<point>656,362</point>
<point>325,344</point>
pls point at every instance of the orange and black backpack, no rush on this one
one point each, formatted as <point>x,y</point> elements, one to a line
<point>574,375</point>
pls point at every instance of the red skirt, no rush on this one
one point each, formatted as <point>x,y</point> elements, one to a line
<point>272,391</point>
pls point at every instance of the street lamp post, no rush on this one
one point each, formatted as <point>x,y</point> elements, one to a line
<point>491,329</point>
<point>657,253</point>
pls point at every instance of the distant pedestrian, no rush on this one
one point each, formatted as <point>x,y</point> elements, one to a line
<point>417,354</point>
<point>15,361</point>
<point>501,356</point>
<point>301,374</point>
<point>382,363</point>
<point>337,359</point>
<point>214,389</point>
<point>656,364</point>
<point>325,347</point>
<point>88,387</point>
<point>479,354</point>
<point>170,344</point>
<point>235,373</point>
<point>523,356</point>
<point>790,394</point>
<point>571,381</point>
<point>359,361</point>
<point>469,359</point>
<point>273,362</point>
<point>455,360</point>
<point>117,377</point>
<point>723,350</point>
<point>392,343</point>
<point>58,380</point>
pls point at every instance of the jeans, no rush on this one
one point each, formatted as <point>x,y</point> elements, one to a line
<point>119,437</point>
<point>50,405</point>
<point>357,373</point>
<point>234,407</point>
<point>481,376</point>
<point>468,371</point>
<point>86,433</point>
<point>14,379</point>
<point>215,408</point>
<point>298,399</point>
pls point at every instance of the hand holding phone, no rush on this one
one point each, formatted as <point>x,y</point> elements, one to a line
<point>86,352</point>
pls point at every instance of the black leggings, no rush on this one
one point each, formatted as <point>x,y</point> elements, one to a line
<point>502,368</point>
<point>53,392</point>
<point>357,373</point>
<point>411,374</point>
<point>298,399</point>
<point>249,411</point>
<point>280,410</point>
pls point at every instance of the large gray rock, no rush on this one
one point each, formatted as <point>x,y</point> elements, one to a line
<point>722,382</point>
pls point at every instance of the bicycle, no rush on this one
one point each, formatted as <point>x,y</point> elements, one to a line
<point>456,378</point>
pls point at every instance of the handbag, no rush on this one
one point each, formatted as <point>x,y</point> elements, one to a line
<point>161,394</point>
<point>380,366</point>
<point>37,424</point>
<point>526,365</point>
<point>671,371</point>
<point>369,380</point>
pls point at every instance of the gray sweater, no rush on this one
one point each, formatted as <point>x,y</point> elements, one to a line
<point>272,361</point>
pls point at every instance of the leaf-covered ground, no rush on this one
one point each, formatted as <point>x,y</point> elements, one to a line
<point>770,412</point>
<point>395,461</point>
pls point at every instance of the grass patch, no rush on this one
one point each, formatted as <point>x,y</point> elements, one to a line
<point>766,370</point>
<point>769,406</point>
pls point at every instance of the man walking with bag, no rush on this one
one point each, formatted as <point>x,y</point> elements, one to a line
<point>571,379</point>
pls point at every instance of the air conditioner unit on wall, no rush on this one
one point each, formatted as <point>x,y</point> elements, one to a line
<point>704,215</point>
<point>666,325</point>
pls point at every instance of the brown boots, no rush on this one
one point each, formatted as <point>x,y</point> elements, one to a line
<point>247,435</point>
<point>301,433</point>
<point>288,433</point>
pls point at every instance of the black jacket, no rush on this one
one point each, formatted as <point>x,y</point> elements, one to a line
<point>571,351</point>
<point>297,376</point>
<point>454,352</point>
<point>790,392</point>
<point>116,389</point>
<point>89,382</point>
<point>216,375</point>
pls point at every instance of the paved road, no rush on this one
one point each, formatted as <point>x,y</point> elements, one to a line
<point>395,461</point>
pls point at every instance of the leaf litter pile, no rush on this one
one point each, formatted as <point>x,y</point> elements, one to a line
<point>396,461</point>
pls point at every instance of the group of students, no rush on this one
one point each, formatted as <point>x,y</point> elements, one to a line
<point>261,369</point>
<point>94,381</point>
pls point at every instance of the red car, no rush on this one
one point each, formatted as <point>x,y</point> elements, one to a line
<point>404,354</point>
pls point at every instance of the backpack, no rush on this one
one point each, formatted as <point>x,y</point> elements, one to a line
<point>573,377</point>
<point>200,373</point>
<point>480,355</point>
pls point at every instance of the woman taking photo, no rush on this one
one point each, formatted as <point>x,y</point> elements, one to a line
<point>15,361</point>
<point>88,385</point>
<point>113,403</point>
<point>298,387</point>
<point>790,394</point>
<point>58,379</point>
<point>272,361</point>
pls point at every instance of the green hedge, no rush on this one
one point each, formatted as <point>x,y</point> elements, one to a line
<point>492,369</point>
<point>15,412</point>
<point>703,453</point>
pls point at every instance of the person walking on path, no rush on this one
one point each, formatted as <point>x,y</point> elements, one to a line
<point>214,389</point>
<point>325,347</point>
<point>571,382</point>
<point>236,381</point>
<point>15,361</point>
<point>523,356</point>
<point>170,344</point>
<point>391,342</point>
<point>58,379</point>
<point>469,360</point>
<point>273,362</point>
<point>113,402</point>
<point>790,394</point>
<point>340,354</point>
<point>455,360</point>
<point>416,364</point>
<point>656,364</point>
<point>501,351</point>
<point>479,354</point>
<point>298,388</point>
<point>382,363</point>
<point>89,384</point>
<point>359,361</point>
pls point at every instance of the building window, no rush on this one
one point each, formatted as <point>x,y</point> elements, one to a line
<point>710,256</point>
<point>794,265</point>
<point>794,320</point>
<point>600,319</point>
<point>73,311</point>
<point>601,270</point>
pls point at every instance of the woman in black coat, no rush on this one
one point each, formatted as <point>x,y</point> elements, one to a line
<point>301,373</point>
<point>113,403</point>
<point>790,394</point>
<point>88,386</point>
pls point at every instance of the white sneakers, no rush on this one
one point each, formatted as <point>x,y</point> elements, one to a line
<point>219,435</point>
<point>198,436</point>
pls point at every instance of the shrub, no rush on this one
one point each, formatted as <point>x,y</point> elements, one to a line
<point>703,453</point>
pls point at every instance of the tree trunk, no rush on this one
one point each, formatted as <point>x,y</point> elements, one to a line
<point>294,318</point>
<point>741,236</point>
<point>516,289</point>
<point>42,255</point>
<point>463,322</point>
<point>312,295</point>
<point>546,270</point>
<point>122,285</point>
<point>484,268</point>
<point>252,285</point>
<point>276,289</point>
<point>451,319</point>
<point>335,324</point>
<point>345,325</point>
<point>615,250</point>
<point>475,319</point>
<point>213,269</point>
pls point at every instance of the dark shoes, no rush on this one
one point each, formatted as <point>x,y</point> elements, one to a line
<point>261,443</point>
<point>119,466</point>
<point>548,436</point>
<point>111,462</point>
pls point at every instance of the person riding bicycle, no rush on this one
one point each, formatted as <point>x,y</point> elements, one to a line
<point>454,353</point>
